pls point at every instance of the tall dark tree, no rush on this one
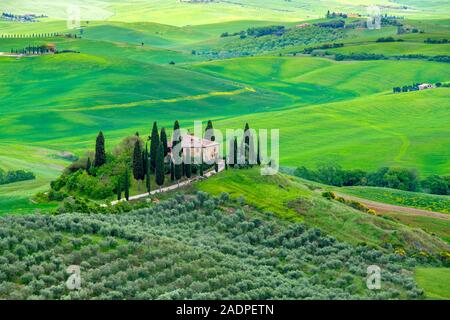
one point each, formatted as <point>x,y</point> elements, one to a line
<point>145,158</point>
<point>209,131</point>
<point>148,176</point>
<point>246,146</point>
<point>127,184</point>
<point>88,165</point>
<point>154,145</point>
<point>100,154</point>
<point>258,154</point>
<point>201,163</point>
<point>164,141</point>
<point>138,165</point>
<point>119,190</point>
<point>172,170</point>
<point>160,166</point>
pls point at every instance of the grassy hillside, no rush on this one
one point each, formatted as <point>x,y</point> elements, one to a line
<point>435,282</point>
<point>189,248</point>
<point>407,130</point>
<point>402,198</point>
<point>316,80</point>
<point>182,13</point>
<point>291,199</point>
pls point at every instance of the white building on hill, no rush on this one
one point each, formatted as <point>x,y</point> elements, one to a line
<point>425,86</point>
<point>195,146</point>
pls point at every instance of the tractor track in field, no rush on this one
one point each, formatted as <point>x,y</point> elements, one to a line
<point>155,101</point>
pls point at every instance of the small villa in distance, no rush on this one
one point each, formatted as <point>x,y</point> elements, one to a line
<point>195,146</point>
<point>425,86</point>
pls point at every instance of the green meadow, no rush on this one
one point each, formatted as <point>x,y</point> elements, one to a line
<point>402,198</point>
<point>435,282</point>
<point>135,68</point>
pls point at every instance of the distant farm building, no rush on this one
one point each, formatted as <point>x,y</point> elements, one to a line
<point>425,86</point>
<point>194,146</point>
<point>303,25</point>
<point>51,47</point>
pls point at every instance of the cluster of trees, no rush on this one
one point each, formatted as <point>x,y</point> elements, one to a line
<point>376,56</point>
<point>389,39</point>
<point>435,41</point>
<point>249,46</point>
<point>257,32</point>
<point>264,31</point>
<point>325,46</point>
<point>440,58</point>
<point>334,24</point>
<point>415,87</point>
<point>391,21</point>
<point>21,18</point>
<point>33,50</point>
<point>395,178</point>
<point>359,56</point>
<point>332,15</point>
<point>12,176</point>
<point>102,175</point>
<point>197,247</point>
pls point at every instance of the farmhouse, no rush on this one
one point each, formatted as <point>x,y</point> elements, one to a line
<point>195,146</point>
<point>425,86</point>
<point>303,25</point>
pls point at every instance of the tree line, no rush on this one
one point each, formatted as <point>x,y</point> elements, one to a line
<point>12,176</point>
<point>395,178</point>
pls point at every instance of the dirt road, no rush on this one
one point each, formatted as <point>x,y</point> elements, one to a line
<point>384,207</point>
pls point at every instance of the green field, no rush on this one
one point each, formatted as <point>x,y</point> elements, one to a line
<point>182,13</point>
<point>435,282</point>
<point>343,112</point>
<point>402,198</point>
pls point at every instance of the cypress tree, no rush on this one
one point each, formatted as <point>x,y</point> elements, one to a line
<point>160,166</point>
<point>119,190</point>
<point>246,146</point>
<point>138,165</point>
<point>154,144</point>
<point>148,176</point>
<point>172,170</point>
<point>100,154</point>
<point>145,160</point>
<point>127,185</point>
<point>164,141</point>
<point>258,155</point>
<point>88,165</point>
